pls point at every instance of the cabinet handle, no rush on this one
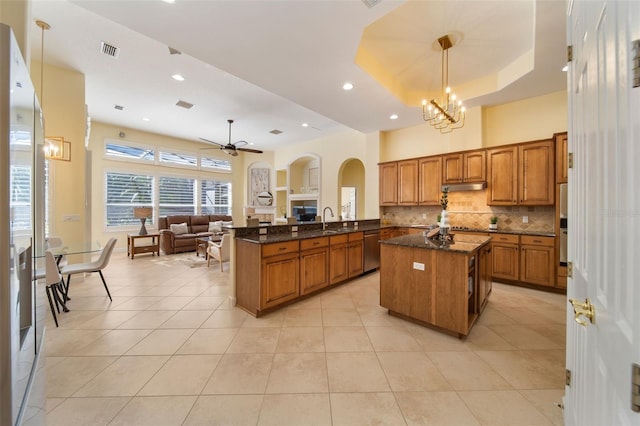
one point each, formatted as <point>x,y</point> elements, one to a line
<point>316,243</point>
<point>281,248</point>
<point>537,241</point>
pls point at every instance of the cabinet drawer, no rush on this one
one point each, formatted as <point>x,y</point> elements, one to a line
<point>506,238</point>
<point>311,243</point>
<point>279,248</point>
<point>356,236</point>
<point>537,241</point>
<point>338,239</point>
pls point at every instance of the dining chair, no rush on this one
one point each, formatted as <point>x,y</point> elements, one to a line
<point>219,251</point>
<point>96,266</point>
<point>56,242</point>
<point>54,286</point>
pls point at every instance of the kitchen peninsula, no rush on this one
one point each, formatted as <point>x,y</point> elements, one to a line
<point>442,284</point>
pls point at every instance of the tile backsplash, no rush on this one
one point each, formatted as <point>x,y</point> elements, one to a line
<point>469,208</point>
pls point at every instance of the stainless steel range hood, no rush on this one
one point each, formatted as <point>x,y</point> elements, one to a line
<point>456,187</point>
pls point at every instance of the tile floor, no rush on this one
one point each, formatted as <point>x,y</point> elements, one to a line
<point>169,350</point>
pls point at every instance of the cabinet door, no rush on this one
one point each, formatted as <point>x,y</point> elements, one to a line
<point>502,172</point>
<point>338,263</point>
<point>537,262</point>
<point>389,184</point>
<point>429,181</point>
<point>356,260</point>
<point>536,173</point>
<point>562,158</point>
<point>279,279</point>
<point>314,269</point>
<point>475,166</point>
<point>484,287</point>
<point>408,183</point>
<point>452,168</point>
<point>505,261</point>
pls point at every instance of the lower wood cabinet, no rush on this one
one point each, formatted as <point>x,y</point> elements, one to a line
<point>505,260</point>
<point>338,258</point>
<point>355,254</point>
<point>484,275</point>
<point>314,264</point>
<point>280,279</point>
<point>537,260</point>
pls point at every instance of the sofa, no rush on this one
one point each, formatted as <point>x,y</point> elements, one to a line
<point>183,240</point>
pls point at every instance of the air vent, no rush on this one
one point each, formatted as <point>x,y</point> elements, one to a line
<point>275,132</point>
<point>173,51</point>
<point>371,3</point>
<point>118,107</point>
<point>109,49</point>
<point>184,104</point>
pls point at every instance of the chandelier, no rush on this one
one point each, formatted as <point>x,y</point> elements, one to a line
<point>448,114</point>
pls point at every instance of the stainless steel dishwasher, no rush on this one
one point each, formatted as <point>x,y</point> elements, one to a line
<point>371,250</point>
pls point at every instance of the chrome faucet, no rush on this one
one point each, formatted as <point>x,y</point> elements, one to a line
<point>324,222</point>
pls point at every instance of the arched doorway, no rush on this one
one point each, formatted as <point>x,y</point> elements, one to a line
<point>351,189</point>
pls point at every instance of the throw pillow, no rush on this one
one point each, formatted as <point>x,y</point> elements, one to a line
<point>215,226</point>
<point>179,228</point>
<point>229,223</point>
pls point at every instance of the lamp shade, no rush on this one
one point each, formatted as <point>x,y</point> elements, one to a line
<point>142,212</point>
<point>249,211</point>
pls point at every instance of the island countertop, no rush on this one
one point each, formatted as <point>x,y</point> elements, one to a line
<point>461,243</point>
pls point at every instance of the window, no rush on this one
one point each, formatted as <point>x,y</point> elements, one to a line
<point>215,197</point>
<point>176,195</point>
<point>215,163</point>
<point>21,197</point>
<point>124,192</point>
<point>178,159</point>
<point>129,152</point>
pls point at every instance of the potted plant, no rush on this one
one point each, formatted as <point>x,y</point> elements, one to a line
<point>494,223</point>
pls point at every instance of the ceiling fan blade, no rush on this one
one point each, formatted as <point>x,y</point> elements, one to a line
<point>255,151</point>
<point>216,143</point>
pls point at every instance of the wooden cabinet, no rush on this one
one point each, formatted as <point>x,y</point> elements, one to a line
<point>314,264</point>
<point>387,233</point>
<point>537,260</point>
<point>429,181</point>
<point>338,258</point>
<point>464,167</point>
<point>389,184</point>
<point>521,174</point>
<point>562,157</point>
<point>355,253</point>
<point>484,276</point>
<point>408,183</point>
<point>505,257</point>
<point>280,281</point>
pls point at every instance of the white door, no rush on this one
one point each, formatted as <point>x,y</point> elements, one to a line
<point>604,211</point>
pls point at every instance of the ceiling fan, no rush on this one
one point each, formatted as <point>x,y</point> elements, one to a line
<point>232,148</point>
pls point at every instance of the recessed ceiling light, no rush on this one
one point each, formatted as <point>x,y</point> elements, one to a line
<point>305,124</point>
<point>347,86</point>
<point>565,68</point>
<point>393,116</point>
<point>177,77</point>
<point>146,119</point>
<point>169,1</point>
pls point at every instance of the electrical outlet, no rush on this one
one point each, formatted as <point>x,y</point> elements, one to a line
<point>263,231</point>
<point>424,215</point>
<point>525,219</point>
<point>294,229</point>
<point>419,266</point>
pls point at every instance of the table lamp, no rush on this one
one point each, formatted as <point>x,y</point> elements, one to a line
<point>142,213</point>
<point>248,212</point>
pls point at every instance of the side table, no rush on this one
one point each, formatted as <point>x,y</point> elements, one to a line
<point>152,247</point>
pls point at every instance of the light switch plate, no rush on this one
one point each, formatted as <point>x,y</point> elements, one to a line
<point>525,219</point>
<point>419,266</point>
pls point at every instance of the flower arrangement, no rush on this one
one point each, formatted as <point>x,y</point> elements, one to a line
<point>444,199</point>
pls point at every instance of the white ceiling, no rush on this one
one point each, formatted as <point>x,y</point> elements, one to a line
<point>276,64</point>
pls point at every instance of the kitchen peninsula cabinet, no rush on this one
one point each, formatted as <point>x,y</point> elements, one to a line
<point>429,181</point>
<point>279,273</point>
<point>389,184</point>
<point>314,264</point>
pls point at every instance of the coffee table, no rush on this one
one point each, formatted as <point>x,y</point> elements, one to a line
<point>203,242</point>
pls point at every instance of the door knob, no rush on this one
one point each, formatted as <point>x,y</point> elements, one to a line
<point>585,309</point>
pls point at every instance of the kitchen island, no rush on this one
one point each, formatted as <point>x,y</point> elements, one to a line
<point>441,284</point>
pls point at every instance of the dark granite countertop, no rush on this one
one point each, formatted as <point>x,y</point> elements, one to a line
<point>499,231</point>
<point>461,243</point>
<point>279,234</point>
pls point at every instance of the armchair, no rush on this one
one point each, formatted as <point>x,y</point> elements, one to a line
<point>219,251</point>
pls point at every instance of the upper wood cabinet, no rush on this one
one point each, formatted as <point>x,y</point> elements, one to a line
<point>429,181</point>
<point>562,157</point>
<point>464,167</point>
<point>408,183</point>
<point>521,174</point>
<point>389,184</point>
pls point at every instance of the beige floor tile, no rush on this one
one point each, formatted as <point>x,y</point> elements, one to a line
<point>232,318</point>
<point>138,303</point>
<point>378,316</point>
<point>208,341</point>
<point>191,290</point>
<point>546,401</point>
<point>522,371</point>
<point>86,411</point>
<point>52,403</point>
<point>295,410</point>
<point>553,360</point>
<point>524,337</point>
<point>557,333</point>
<point>411,371</point>
<point>225,410</point>
<point>310,303</point>
<point>431,340</point>
<point>303,318</point>
<point>182,375</point>
<point>155,411</point>
<point>272,320</point>
<point>392,339</point>
<point>171,303</point>
<point>467,371</point>
<point>147,320</point>
<point>343,317</point>
<point>484,338</point>
<point>61,342</point>
<point>492,316</point>
<point>217,291</point>
<point>298,373</point>
<point>255,340</point>
<point>106,320</point>
<point>125,377</point>
<point>65,375</point>
<point>355,372</point>
<point>187,319</point>
<point>507,408</point>
<point>160,291</point>
<point>435,408</point>
<point>240,374</point>
<point>162,342</point>
<point>365,409</point>
<point>115,342</point>
<point>335,299</point>
<point>301,339</point>
<point>204,303</point>
<point>347,339</point>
